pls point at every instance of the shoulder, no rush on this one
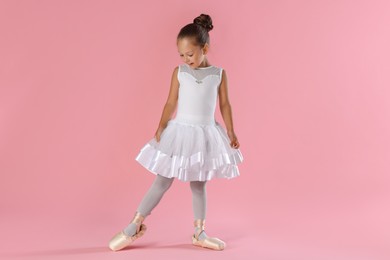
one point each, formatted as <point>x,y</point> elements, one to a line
<point>175,72</point>
<point>222,73</point>
<point>176,69</point>
<point>220,69</point>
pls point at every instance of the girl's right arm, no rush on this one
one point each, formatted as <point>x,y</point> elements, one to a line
<point>170,104</point>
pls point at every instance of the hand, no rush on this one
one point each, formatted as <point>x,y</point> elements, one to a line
<point>233,140</point>
<point>158,133</point>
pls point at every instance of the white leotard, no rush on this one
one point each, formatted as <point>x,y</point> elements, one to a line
<point>198,93</point>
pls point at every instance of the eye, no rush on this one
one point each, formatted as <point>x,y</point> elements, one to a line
<point>181,55</point>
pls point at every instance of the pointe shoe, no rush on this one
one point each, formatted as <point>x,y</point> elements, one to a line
<point>209,242</point>
<point>121,240</point>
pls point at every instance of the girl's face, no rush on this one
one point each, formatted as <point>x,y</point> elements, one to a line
<point>191,54</point>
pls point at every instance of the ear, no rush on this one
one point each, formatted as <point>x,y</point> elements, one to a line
<point>205,49</point>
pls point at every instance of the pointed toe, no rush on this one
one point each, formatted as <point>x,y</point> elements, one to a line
<point>121,240</point>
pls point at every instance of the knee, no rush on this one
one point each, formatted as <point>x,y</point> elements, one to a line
<point>198,187</point>
<point>163,183</point>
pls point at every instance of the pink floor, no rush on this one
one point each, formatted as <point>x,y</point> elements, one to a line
<point>274,230</point>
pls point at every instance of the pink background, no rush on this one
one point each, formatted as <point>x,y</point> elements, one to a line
<point>83,84</point>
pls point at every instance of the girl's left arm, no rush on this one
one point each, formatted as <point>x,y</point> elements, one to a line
<point>226,110</point>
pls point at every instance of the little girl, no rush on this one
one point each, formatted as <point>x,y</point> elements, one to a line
<point>193,147</point>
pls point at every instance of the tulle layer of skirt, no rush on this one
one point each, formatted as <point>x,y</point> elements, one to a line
<point>191,152</point>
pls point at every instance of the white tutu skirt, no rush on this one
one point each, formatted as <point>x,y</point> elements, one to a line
<point>191,152</point>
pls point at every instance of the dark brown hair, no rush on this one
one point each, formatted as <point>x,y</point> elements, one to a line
<point>198,30</point>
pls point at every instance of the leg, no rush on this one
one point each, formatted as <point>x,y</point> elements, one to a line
<point>199,202</point>
<point>200,237</point>
<point>199,195</point>
<point>158,188</point>
<point>151,199</point>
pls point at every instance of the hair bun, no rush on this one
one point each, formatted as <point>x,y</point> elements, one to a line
<point>205,21</point>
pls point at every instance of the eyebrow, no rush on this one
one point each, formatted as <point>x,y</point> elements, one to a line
<point>186,52</point>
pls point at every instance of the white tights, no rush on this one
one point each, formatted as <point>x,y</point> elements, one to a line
<point>157,190</point>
